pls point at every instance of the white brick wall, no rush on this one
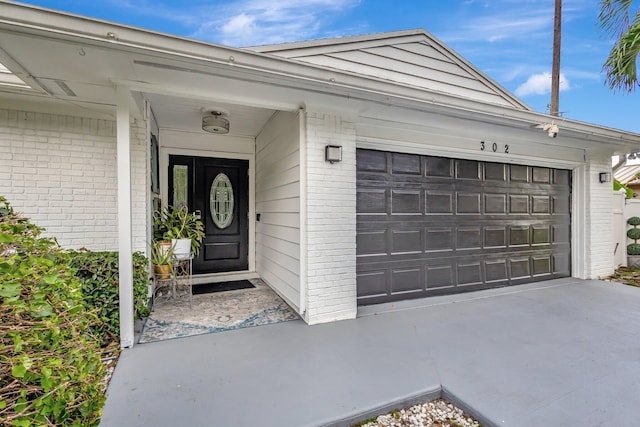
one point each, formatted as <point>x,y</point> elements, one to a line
<point>598,224</point>
<point>60,171</point>
<point>331,220</point>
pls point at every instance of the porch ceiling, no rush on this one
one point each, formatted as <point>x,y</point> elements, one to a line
<point>185,114</point>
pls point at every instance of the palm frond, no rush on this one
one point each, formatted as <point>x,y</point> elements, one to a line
<point>617,186</point>
<point>614,16</point>
<point>621,65</point>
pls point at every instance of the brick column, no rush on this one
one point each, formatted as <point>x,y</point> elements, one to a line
<point>331,219</point>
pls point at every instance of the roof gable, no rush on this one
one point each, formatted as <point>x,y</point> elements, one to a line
<point>411,58</point>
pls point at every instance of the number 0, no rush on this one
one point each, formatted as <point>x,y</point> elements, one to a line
<point>494,147</point>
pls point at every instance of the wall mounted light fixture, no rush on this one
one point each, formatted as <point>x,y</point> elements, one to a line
<point>605,177</point>
<point>333,153</point>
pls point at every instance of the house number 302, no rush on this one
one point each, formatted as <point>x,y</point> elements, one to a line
<point>484,146</point>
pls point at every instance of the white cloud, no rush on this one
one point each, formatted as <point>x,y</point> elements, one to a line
<point>505,21</point>
<point>540,84</point>
<point>266,22</point>
<point>239,23</point>
<point>242,27</point>
<point>512,71</point>
<point>511,26</point>
<point>245,22</point>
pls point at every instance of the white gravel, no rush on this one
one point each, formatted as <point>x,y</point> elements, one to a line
<point>438,413</point>
<point>110,365</point>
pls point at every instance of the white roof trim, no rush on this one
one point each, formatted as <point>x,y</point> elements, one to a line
<point>26,19</point>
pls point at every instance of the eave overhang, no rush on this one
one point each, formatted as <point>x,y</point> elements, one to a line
<point>334,88</point>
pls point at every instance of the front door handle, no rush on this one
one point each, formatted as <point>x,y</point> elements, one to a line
<point>198,213</point>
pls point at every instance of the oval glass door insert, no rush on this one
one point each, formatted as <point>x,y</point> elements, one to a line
<point>221,201</point>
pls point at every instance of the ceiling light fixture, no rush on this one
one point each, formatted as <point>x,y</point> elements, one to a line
<point>215,123</point>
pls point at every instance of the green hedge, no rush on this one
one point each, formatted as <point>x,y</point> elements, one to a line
<point>98,272</point>
<point>50,368</point>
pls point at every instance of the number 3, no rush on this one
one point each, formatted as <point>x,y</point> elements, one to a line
<point>481,145</point>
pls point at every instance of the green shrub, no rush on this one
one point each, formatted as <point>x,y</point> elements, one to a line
<point>50,368</point>
<point>633,249</point>
<point>633,233</point>
<point>634,220</point>
<point>98,272</point>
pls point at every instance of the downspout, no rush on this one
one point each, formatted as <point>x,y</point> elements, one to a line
<point>303,210</point>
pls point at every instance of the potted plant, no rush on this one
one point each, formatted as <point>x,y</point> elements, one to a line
<point>184,229</point>
<point>161,256</point>
<point>633,249</point>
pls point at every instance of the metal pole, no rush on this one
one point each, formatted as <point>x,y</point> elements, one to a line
<point>555,72</point>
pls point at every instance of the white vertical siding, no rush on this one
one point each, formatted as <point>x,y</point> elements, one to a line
<point>60,171</point>
<point>620,216</point>
<point>278,204</point>
<point>331,219</point>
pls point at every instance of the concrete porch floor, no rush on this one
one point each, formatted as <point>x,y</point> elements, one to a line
<point>558,353</point>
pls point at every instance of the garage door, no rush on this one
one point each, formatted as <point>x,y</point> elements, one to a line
<point>433,225</point>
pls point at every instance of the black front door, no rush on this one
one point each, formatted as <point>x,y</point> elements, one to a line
<point>219,190</point>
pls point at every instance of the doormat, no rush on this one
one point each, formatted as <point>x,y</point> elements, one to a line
<point>209,288</point>
<point>216,312</point>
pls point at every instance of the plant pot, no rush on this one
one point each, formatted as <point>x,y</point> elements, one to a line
<point>164,247</point>
<point>181,248</point>
<point>163,272</point>
<point>633,261</point>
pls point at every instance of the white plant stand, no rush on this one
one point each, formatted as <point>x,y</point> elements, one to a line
<point>178,285</point>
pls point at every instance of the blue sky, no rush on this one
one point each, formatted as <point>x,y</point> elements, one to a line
<point>509,40</point>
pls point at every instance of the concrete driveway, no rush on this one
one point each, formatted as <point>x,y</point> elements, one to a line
<point>558,353</point>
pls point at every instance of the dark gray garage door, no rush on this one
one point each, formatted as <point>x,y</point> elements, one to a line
<point>434,225</point>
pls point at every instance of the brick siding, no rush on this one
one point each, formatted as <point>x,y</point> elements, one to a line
<point>60,171</point>
<point>331,220</point>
